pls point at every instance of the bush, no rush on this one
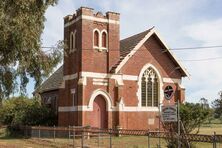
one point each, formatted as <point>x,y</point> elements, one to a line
<point>18,111</point>
<point>192,116</point>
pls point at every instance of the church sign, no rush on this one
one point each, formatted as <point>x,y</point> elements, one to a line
<point>169,113</point>
<point>168,92</point>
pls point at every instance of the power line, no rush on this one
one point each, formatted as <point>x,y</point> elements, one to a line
<point>198,47</point>
<point>206,59</point>
<point>176,49</point>
<point>179,48</point>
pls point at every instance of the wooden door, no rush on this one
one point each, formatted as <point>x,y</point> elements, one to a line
<point>99,114</point>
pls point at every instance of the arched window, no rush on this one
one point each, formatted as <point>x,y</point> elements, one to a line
<point>150,88</point>
<point>104,39</point>
<point>96,38</point>
<point>73,41</point>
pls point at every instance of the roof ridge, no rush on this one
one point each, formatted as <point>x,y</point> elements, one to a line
<point>137,34</point>
<point>53,74</point>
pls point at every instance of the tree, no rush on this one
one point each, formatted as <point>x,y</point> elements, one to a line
<point>204,103</point>
<point>24,111</point>
<point>21,55</point>
<point>217,105</point>
<point>192,116</point>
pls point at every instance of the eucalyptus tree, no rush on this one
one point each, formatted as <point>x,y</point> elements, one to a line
<point>21,55</point>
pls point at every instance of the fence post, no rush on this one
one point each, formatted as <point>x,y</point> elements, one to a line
<point>69,135</point>
<point>82,141</point>
<point>54,132</point>
<point>73,134</point>
<point>110,140</point>
<point>39,132</point>
<point>148,138</point>
<point>99,140</point>
<point>25,131</point>
<point>214,140</point>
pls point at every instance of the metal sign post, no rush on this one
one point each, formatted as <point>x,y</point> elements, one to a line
<point>73,91</point>
<point>171,113</point>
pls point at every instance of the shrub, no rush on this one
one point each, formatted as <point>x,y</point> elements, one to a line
<point>18,111</point>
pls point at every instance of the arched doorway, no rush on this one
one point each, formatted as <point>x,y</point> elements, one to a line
<point>99,113</point>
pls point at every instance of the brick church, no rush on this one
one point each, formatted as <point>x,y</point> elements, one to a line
<point>106,82</point>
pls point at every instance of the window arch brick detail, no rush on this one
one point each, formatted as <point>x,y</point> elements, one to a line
<point>96,38</point>
<point>150,92</point>
<point>100,39</point>
<point>73,41</point>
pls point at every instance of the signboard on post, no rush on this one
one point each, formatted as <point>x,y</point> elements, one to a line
<point>168,92</point>
<point>169,113</point>
<point>73,91</point>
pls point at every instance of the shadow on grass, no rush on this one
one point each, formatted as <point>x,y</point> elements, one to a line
<point>4,135</point>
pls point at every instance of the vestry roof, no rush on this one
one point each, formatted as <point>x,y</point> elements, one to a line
<point>53,82</point>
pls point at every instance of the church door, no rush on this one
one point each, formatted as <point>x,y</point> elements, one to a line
<point>99,114</point>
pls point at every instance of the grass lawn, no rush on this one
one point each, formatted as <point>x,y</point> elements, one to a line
<point>209,129</point>
<point>117,142</point>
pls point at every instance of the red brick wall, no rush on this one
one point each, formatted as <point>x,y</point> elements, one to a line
<point>151,53</point>
<point>53,94</point>
<point>91,60</point>
<point>139,120</point>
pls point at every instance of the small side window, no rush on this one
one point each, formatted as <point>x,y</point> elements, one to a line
<point>96,38</point>
<point>104,40</point>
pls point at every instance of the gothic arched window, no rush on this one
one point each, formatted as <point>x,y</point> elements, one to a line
<point>73,41</point>
<point>96,38</point>
<point>104,39</point>
<point>149,88</point>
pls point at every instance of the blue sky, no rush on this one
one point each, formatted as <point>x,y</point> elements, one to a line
<point>181,23</point>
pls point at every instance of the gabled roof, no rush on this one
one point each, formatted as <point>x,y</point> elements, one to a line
<point>129,46</point>
<point>53,82</point>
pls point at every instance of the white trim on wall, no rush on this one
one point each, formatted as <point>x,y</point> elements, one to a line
<point>103,82</point>
<point>113,109</point>
<point>100,83</point>
<point>91,18</point>
<point>70,77</point>
<point>172,80</point>
<point>105,95</point>
<point>119,77</point>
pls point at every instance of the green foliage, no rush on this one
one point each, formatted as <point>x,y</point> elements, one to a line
<point>23,111</point>
<point>21,56</point>
<point>217,105</point>
<point>193,116</point>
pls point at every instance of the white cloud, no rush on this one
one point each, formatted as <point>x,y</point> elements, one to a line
<point>209,32</point>
<point>206,76</point>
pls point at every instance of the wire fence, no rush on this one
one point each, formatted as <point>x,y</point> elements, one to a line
<point>76,136</point>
